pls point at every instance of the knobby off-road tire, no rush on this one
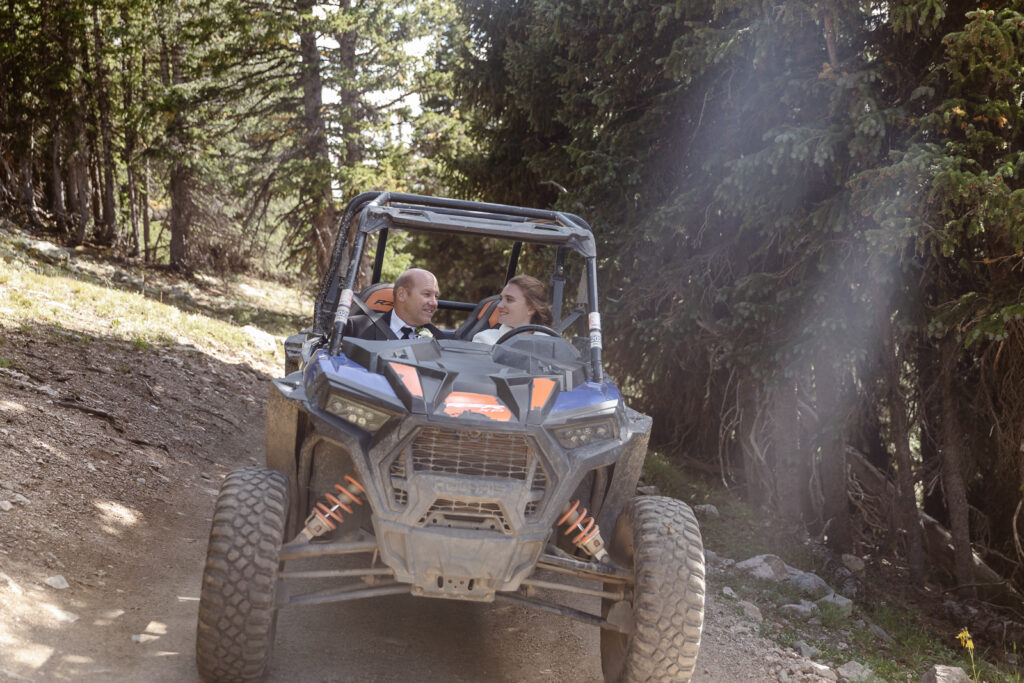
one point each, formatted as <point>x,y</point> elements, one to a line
<point>660,539</point>
<point>237,617</point>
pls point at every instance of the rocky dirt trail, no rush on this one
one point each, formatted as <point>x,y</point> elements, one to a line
<point>110,460</point>
<point>114,456</point>
<point>111,455</point>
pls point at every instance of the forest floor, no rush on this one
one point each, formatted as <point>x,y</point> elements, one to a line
<point>125,398</point>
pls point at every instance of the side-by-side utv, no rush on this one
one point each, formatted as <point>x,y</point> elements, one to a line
<point>445,468</point>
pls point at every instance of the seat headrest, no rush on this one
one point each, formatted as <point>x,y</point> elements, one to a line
<point>379,297</point>
<point>491,306</point>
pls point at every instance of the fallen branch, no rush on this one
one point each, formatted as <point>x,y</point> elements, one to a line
<point>143,442</point>
<point>938,542</point>
<point>151,391</point>
<point>92,411</point>
<point>229,420</point>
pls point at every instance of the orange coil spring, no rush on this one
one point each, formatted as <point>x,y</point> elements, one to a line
<point>326,514</point>
<point>578,520</point>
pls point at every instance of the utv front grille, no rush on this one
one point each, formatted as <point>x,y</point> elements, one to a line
<point>470,453</point>
<point>399,487</point>
<point>400,495</point>
<point>471,514</point>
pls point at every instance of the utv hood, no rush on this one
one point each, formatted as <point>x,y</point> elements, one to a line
<point>523,381</point>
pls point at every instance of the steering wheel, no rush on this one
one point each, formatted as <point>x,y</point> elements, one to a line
<point>527,328</point>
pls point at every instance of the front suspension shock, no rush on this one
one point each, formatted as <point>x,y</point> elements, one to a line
<point>326,518</point>
<point>589,534</point>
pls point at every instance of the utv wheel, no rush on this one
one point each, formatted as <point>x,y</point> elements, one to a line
<point>660,540</point>
<point>237,616</point>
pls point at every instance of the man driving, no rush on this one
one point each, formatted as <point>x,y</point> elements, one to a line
<point>415,300</point>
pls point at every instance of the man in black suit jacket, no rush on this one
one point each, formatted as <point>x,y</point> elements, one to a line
<point>415,294</point>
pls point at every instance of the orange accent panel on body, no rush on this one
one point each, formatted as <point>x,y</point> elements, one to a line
<point>410,378</point>
<point>542,388</point>
<point>459,402</point>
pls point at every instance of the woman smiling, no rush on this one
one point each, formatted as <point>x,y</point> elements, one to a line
<point>524,301</point>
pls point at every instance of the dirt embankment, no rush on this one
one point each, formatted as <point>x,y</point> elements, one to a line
<point>110,457</point>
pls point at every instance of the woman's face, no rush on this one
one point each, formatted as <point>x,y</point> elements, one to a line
<point>513,309</point>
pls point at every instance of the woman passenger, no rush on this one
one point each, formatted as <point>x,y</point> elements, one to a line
<point>524,301</point>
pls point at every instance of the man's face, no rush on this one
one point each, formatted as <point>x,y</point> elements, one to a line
<point>417,304</point>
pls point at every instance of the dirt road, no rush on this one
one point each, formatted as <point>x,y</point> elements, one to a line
<point>111,459</point>
<point>389,639</point>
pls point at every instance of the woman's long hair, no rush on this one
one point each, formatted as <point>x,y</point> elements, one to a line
<point>536,294</point>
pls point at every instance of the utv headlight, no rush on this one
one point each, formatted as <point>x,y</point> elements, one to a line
<point>585,433</point>
<point>356,413</point>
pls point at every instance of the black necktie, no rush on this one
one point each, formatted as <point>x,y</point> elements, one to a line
<point>406,333</point>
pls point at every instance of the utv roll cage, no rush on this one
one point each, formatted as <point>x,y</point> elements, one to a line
<point>379,212</point>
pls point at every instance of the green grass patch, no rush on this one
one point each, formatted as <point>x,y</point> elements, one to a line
<point>832,616</point>
<point>77,308</point>
<point>670,480</point>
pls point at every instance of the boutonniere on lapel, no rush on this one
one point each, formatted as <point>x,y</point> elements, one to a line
<point>423,332</point>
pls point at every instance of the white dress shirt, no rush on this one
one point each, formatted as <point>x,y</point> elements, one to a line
<point>397,324</point>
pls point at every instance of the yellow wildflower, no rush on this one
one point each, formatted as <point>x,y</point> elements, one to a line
<point>965,639</point>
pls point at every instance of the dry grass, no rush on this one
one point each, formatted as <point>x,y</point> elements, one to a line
<point>88,297</point>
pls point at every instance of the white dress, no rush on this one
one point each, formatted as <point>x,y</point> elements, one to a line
<point>491,336</point>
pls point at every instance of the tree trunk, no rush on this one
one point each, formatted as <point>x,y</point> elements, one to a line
<point>6,178</point>
<point>952,469</point>
<point>78,182</point>
<point>58,201</point>
<point>107,234</point>
<point>181,216</point>
<point>835,510</point>
<point>130,137</point>
<point>929,371</point>
<point>91,157</point>
<point>94,185</point>
<point>908,516</point>
<point>349,98</point>
<point>144,202</point>
<point>133,209</point>
<point>180,175</point>
<point>790,467</point>
<point>317,190</point>
<point>28,192</point>
<point>755,471</point>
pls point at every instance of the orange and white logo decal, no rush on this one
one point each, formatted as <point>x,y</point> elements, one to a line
<point>459,402</point>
